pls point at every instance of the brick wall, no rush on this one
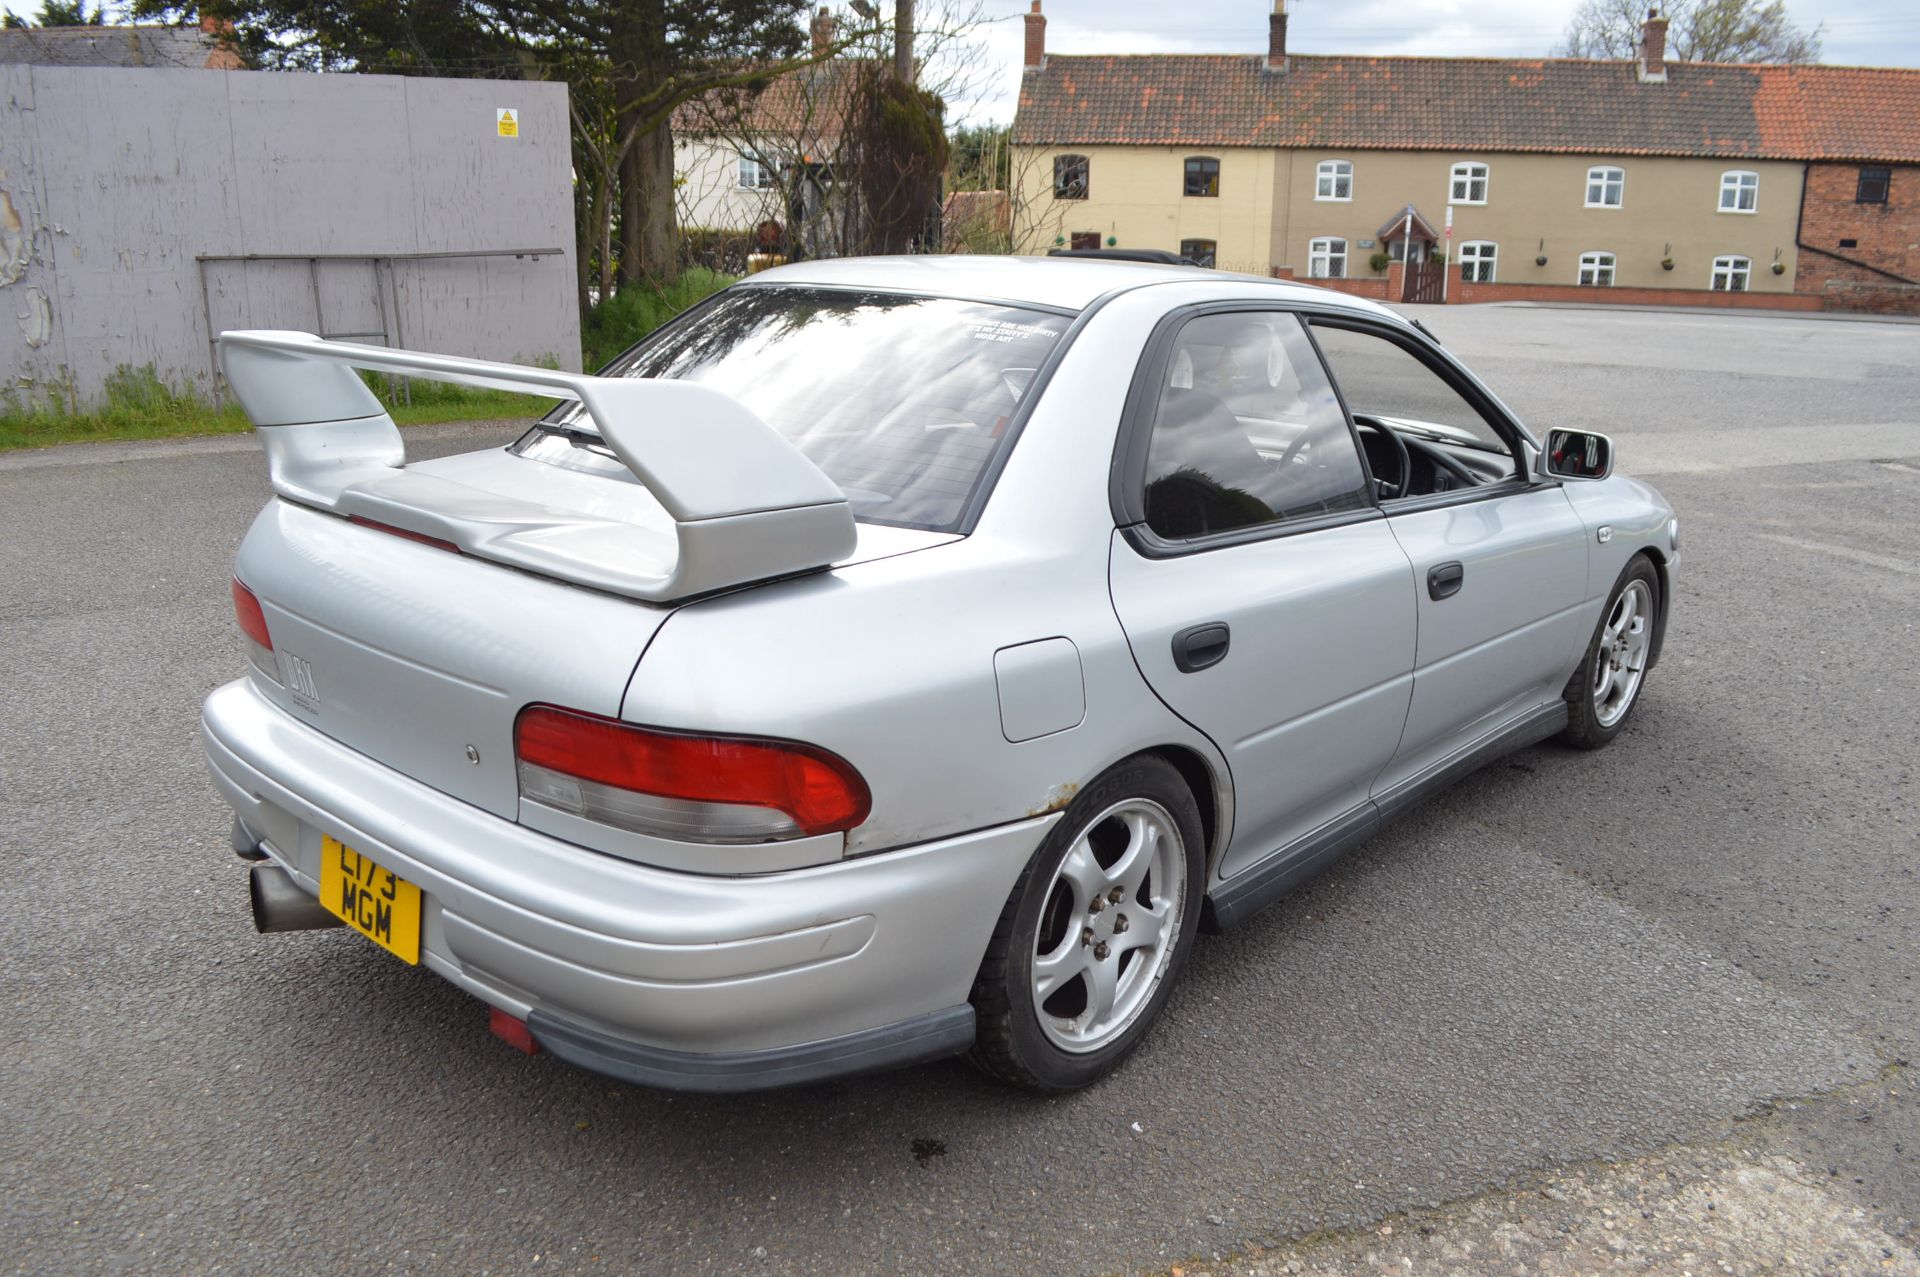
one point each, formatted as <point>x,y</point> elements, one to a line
<point>1460,292</point>
<point>1886,236</point>
<point>1379,287</point>
<point>1386,288</point>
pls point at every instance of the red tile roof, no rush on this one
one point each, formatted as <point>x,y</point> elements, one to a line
<point>1480,104</point>
<point>808,106</point>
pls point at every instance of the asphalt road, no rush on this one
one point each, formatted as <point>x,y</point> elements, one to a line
<point>1710,929</point>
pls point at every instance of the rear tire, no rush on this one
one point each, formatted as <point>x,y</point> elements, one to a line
<point>1603,691</point>
<point>1095,933</point>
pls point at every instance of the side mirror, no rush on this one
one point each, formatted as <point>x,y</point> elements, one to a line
<point>1577,454</point>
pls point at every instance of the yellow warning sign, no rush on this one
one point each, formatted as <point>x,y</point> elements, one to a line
<point>507,121</point>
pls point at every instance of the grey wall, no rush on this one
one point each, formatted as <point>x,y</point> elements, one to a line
<point>113,180</point>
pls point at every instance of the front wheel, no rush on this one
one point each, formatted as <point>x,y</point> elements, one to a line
<point>1604,689</point>
<point>1089,944</point>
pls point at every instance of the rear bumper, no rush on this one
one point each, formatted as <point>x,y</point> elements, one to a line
<point>664,978</point>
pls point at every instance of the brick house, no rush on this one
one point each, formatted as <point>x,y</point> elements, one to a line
<point>1645,180</point>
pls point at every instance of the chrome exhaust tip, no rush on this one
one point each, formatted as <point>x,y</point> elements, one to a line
<point>279,903</point>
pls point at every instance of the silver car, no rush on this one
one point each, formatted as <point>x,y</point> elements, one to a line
<point>896,658</point>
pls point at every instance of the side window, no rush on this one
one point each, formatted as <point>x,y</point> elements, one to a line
<point>1606,186</point>
<point>1333,180</point>
<point>1478,258</point>
<point>1200,252</point>
<point>1070,177</point>
<point>1467,183</point>
<point>1875,181</point>
<point>1202,176</point>
<point>1247,431</point>
<point>1382,380</point>
<point>1327,258</point>
<point>1739,191</point>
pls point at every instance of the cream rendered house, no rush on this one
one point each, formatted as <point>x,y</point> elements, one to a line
<point>1559,174</point>
<point>745,158</point>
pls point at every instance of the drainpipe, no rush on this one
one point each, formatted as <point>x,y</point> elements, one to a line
<point>1806,172</point>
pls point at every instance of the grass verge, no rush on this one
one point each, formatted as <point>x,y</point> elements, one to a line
<point>139,405</point>
<point>638,309</point>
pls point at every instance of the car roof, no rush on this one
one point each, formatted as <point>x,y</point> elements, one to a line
<point>1070,283</point>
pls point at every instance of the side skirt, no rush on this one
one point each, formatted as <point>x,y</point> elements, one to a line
<point>1232,902</point>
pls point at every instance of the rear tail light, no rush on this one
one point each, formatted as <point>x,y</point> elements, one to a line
<point>253,624</point>
<point>715,789</point>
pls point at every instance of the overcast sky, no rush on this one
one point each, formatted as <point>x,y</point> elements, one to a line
<point>1858,32</point>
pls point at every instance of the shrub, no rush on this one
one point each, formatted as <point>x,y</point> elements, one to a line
<point>637,310</point>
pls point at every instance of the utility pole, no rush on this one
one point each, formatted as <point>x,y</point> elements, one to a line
<point>903,41</point>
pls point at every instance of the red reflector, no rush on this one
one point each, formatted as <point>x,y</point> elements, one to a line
<point>390,530</point>
<point>253,622</point>
<point>820,791</point>
<point>512,1031</point>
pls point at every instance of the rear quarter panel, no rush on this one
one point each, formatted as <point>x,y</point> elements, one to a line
<point>891,663</point>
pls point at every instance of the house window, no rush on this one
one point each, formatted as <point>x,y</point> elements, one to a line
<point>1596,270</point>
<point>1203,176</point>
<point>755,176</point>
<point>1200,252</point>
<point>1730,274</point>
<point>1875,180</point>
<point>1083,239</point>
<point>1477,260</point>
<point>1606,186</point>
<point>1327,258</point>
<point>1469,184</point>
<point>1069,177</point>
<point>1739,191</point>
<point>1333,180</point>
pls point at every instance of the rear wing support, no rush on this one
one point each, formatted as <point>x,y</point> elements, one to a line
<point>744,504</point>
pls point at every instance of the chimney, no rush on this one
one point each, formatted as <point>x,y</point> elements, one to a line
<point>1652,67</point>
<point>1036,37</point>
<point>216,26</point>
<point>822,32</point>
<point>1277,37</point>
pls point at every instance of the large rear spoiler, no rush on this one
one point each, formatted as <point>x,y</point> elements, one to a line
<point>745,504</point>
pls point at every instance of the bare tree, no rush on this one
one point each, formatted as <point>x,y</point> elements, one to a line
<point>1039,220</point>
<point>1698,31</point>
<point>804,132</point>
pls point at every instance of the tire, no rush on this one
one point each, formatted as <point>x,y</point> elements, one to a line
<point>1062,924</point>
<point>1603,691</point>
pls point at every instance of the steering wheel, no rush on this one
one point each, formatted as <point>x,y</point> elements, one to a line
<point>1304,439</point>
<point>1406,461</point>
<point>1452,465</point>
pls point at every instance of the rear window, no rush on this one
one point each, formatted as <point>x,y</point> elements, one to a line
<point>903,401</point>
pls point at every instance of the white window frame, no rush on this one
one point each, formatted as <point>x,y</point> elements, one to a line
<point>1737,182</point>
<point>1326,181</point>
<point>1461,179</point>
<point>1594,263</point>
<point>1323,252</point>
<point>1728,268</point>
<point>1612,180</point>
<point>764,177</point>
<point>1491,257</point>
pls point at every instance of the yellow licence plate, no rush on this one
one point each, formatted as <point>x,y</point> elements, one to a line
<point>381,906</point>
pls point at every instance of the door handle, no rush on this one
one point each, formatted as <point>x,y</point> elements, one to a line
<point>1444,580</point>
<point>1199,646</point>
